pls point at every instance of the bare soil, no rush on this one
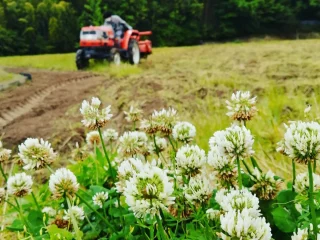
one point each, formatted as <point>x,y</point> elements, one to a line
<point>32,109</point>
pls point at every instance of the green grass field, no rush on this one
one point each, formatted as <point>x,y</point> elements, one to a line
<point>285,75</point>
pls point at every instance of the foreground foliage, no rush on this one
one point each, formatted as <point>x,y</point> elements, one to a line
<point>156,183</point>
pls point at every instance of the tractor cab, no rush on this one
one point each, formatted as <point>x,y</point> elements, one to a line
<point>97,36</point>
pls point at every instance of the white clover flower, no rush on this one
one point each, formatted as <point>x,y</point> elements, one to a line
<point>161,145</point>
<point>93,138</point>
<point>76,212</point>
<point>234,142</point>
<point>148,126</point>
<point>225,167</point>
<point>302,183</point>
<point>2,194</point>
<point>164,120</point>
<point>133,115</point>
<point>238,200</point>
<point>19,185</point>
<point>36,154</point>
<point>301,234</point>
<point>149,191</point>
<point>127,169</point>
<point>51,212</point>
<point>213,214</point>
<point>99,198</point>
<point>301,141</point>
<point>93,116</point>
<point>4,154</point>
<point>190,159</point>
<point>265,186</point>
<point>242,106</point>
<point>133,143</point>
<point>242,225</point>
<point>184,132</point>
<point>109,135</point>
<point>198,190</point>
<point>63,183</point>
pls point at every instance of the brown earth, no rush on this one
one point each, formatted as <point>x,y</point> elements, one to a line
<point>31,110</point>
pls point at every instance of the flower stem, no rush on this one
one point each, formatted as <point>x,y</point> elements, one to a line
<point>95,211</point>
<point>311,201</point>
<point>35,201</point>
<point>3,174</point>
<point>96,163</point>
<point>293,174</point>
<point>174,149</point>
<point>107,157</point>
<point>50,169</point>
<point>74,221</point>
<point>239,173</point>
<point>155,145</point>
<point>21,214</point>
<point>314,166</point>
<point>247,167</point>
<point>161,229</point>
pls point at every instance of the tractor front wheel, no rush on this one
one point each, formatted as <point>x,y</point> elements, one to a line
<point>134,52</point>
<point>115,57</point>
<point>81,62</point>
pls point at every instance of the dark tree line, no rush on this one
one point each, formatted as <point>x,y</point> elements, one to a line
<point>49,26</point>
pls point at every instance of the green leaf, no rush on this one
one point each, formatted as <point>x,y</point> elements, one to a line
<point>283,220</point>
<point>286,196</point>
<point>35,218</point>
<point>58,233</point>
<point>17,225</point>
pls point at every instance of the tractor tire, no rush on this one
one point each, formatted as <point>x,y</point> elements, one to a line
<point>134,52</point>
<point>115,57</point>
<point>81,62</point>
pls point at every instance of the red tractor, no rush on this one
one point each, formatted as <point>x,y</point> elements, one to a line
<point>99,43</point>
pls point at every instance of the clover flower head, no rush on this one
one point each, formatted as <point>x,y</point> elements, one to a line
<point>164,120</point>
<point>76,212</point>
<point>302,183</point>
<point>36,153</point>
<point>19,185</point>
<point>93,138</point>
<point>159,144</point>
<point>51,212</point>
<point>301,141</point>
<point>238,200</point>
<point>63,183</point>
<point>133,143</point>
<point>198,190</point>
<point>265,186</point>
<point>127,169</point>
<point>225,168</point>
<point>213,214</point>
<point>149,191</point>
<point>4,154</point>
<point>241,106</point>
<point>99,198</point>
<point>190,159</point>
<point>242,225</point>
<point>93,116</point>
<point>134,114</point>
<point>184,132</point>
<point>110,135</point>
<point>301,234</point>
<point>235,142</point>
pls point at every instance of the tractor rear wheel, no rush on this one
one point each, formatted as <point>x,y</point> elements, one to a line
<point>134,52</point>
<point>81,62</point>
